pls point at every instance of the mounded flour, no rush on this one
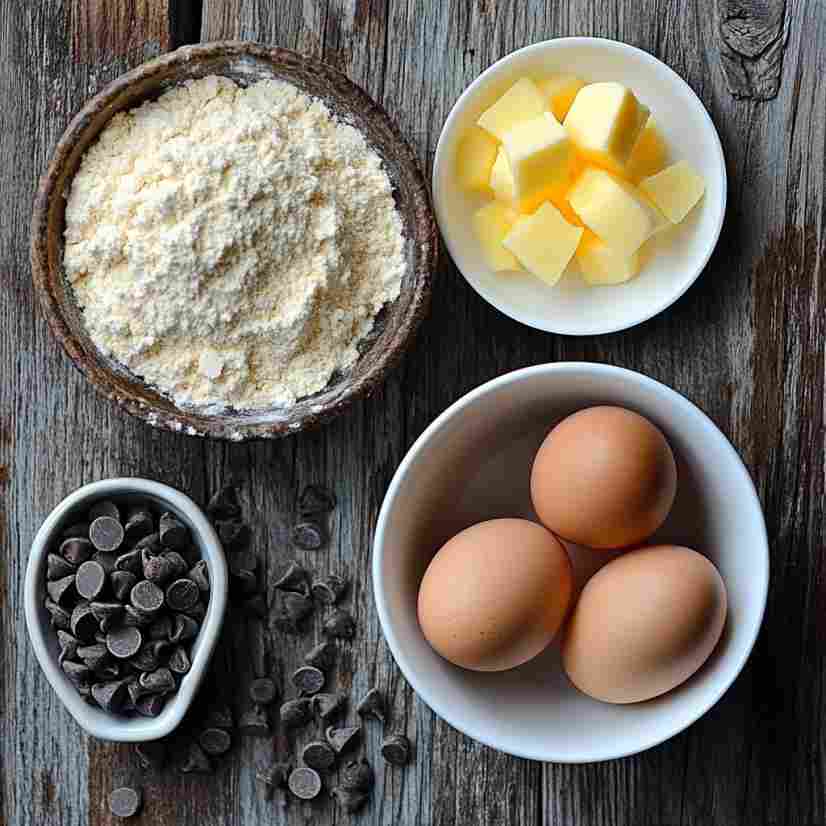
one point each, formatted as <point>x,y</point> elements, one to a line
<point>232,245</point>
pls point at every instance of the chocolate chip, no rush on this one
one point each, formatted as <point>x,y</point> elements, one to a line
<point>125,802</point>
<point>149,656</point>
<point>322,656</point>
<point>124,642</point>
<point>90,579</point>
<point>106,533</point>
<point>197,611</point>
<point>254,722</point>
<point>351,800</point>
<point>224,504</point>
<point>219,716</point>
<point>296,713</point>
<point>358,775</point>
<point>68,645</point>
<point>295,608</point>
<point>242,561</point>
<point>104,508</point>
<point>183,628</point>
<point>106,560</point>
<point>130,561</point>
<point>107,670</point>
<point>318,755</point>
<point>139,523</point>
<point>161,628</point>
<point>147,597</point>
<point>57,567</point>
<point>135,689</point>
<point>179,660</point>
<point>60,617</point>
<point>151,543</point>
<point>244,581</point>
<point>327,705</point>
<point>199,574</point>
<point>110,696</point>
<point>78,530</point>
<point>215,741</point>
<point>173,532</point>
<point>308,679</point>
<point>396,749</point>
<point>106,612</point>
<point>83,623</point>
<point>315,499</point>
<point>372,705</point>
<point>196,761</point>
<point>233,534</point>
<point>62,591</point>
<point>309,536</point>
<point>263,691</point>
<point>178,565</point>
<point>329,589</point>
<point>342,738</point>
<point>77,672</point>
<point>151,755</point>
<point>134,616</point>
<point>157,569</point>
<point>340,625</point>
<point>122,583</point>
<point>94,656</point>
<point>269,779</point>
<point>256,606</point>
<point>76,550</point>
<point>304,783</point>
<point>181,595</point>
<point>158,681</point>
<point>150,705</point>
<point>294,578</point>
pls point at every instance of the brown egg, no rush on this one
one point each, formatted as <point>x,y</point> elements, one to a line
<point>604,477</point>
<point>644,623</point>
<point>495,595</point>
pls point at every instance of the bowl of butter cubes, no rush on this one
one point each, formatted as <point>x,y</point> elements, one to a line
<point>580,185</point>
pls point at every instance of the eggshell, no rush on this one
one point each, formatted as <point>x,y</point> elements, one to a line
<point>644,623</point>
<point>495,595</point>
<point>604,477</point>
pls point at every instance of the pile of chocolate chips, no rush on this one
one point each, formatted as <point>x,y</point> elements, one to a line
<point>127,592</point>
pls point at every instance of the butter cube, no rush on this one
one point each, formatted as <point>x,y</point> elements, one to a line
<point>492,223</point>
<point>522,101</point>
<point>544,242</point>
<point>600,265</point>
<point>560,91</point>
<point>675,190</point>
<point>541,157</point>
<point>604,121</point>
<point>501,180</point>
<point>614,211</point>
<point>474,158</point>
<point>649,155</point>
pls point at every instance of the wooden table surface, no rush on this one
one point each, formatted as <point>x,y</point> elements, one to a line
<point>746,344</point>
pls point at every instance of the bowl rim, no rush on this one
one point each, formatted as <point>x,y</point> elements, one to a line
<point>762,563</point>
<point>236,428</point>
<point>115,729</point>
<point>619,47</point>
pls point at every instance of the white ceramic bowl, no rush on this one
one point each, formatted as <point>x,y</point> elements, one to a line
<point>572,307</point>
<point>474,463</point>
<point>96,722</point>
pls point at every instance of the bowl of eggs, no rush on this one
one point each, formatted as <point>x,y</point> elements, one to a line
<point>571,563</point>
<point>580,185</point>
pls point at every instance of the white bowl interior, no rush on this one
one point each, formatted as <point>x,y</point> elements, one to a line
<point>674,261</point>
<point>474,463</point>
<point>123,492</point>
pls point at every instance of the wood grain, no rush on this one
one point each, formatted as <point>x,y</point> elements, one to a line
<point>746,344</point>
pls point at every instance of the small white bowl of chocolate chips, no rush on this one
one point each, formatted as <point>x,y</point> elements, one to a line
<point>125,595</point>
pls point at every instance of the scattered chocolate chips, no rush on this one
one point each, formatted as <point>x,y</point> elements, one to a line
<point>196,761</point>
<point>395,749</point>
<point>130,561</point>
<point>315,499</point>
<point>106,533</point>
<point>329,589</point>
<point>110,696</point>
<point>57,567</point>
<point>272,778</point>
<point>139,523</point>
<point>182,595</point>
<point>60,617</point>
<point>263,691</point>
<point>124,642</point>
<point>308,679</point>
<point>199,574</point>
<point>173,532</point>
<point>372,705</point>
<point>304,783</point>
<point>342,738</point>
<point>224,504</point>
<point>296,713</point>
<point>357,774</point>
<point>295,608</point>
<point>90,579</point>
<point>179,660</point>
<point>122,583</point>
<point>215,741</point>
<point>309,536</point>
<point>62,590</point>
<point>125,801</point>
<point>294,578</point>
<point>318,755</point>
<point>328,705</point>
<point>254,722</point>
<point>340,625</point>
<point>83,622</point>
<point>351,800</point>
<point>151,755</point>
<point>147,597</point>
<point>150,705</point>
<point>322,656</point>
<point>76,550</point>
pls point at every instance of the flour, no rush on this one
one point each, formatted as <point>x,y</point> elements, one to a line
<point>232,245</point>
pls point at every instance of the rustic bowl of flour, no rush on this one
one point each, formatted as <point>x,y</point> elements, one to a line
<point>233,241</point>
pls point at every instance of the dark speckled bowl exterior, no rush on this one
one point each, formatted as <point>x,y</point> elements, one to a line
<point>245,63</point>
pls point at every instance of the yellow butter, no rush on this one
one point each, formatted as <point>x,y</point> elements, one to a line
<point>600,265</point>
<point>604,121</point>
<point>560,91</point>
<point>540,157</point>
<point>613,210</point>
<point>475,156</point>
<point>675,190</point>
<point>522,101</point>
<point>492,223</point>
<point>501,180</point>
<point>544,242</point>
<point>649,155</point>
